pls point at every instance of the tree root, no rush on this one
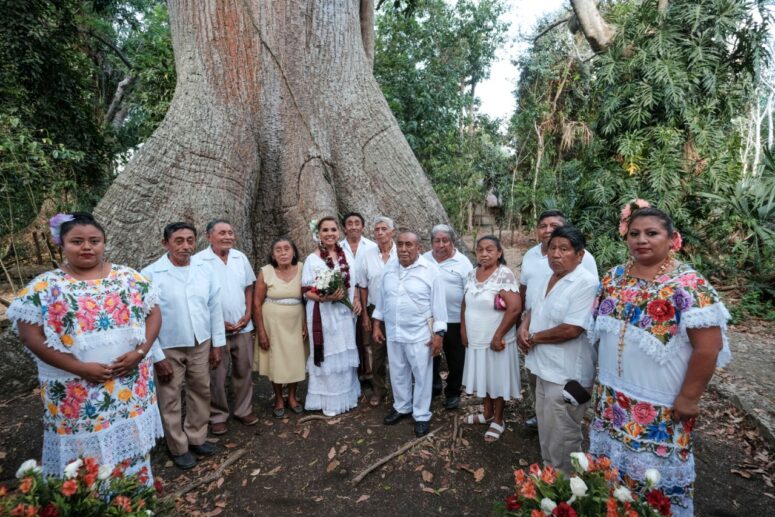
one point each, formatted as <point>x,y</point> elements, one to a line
<point>309,418</point>
<point>209,478</point>
<point>357,479</point>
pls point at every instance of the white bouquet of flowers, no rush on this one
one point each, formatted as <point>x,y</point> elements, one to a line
<point>328,281</point>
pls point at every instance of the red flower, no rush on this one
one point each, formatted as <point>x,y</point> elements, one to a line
<point>91,465</point>
<point>26,485</point>
<point>549,475</point>
<point>512,503</point>
<point>612,509</point>
<point>49,511</point>
<point>69,487</point>
<point>535,470</point>
<point>659,501</point>
<point>89,479</point>
<point>123,502</point>
<point>528,490</point>
<point>603,463</point>
<point>142,476</point>
<point>19,510</point>
<point>117,473</point>
<point>158,485</point>
<point>623,400</point>
<point>519,477</point>
<point>564,510</point>
<point>660,310</point>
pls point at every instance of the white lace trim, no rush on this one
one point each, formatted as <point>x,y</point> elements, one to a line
<point>152,298</point>
<point>715,315</point>
<point>675,473</point>
<point>334,363</point>
<point>500,280</point>
<point>122,440</point>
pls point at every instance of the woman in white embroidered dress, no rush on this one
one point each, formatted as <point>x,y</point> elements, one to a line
<point>662,331</point>
<point>489,311</point>
<point>333,385</point>
<point>90,326</point>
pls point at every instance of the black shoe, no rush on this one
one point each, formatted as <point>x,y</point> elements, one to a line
<point>394,417</point>
<point>451,403</point>
<point>184,461</point>
<point>206,449</point>
<point>531,423</point>
<point>421,429</point>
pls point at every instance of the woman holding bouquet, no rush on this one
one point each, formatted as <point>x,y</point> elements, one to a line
<point>90,326</point>
<point>327,283</point>
<point>662,331</point>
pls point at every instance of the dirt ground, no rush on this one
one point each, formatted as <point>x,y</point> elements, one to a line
<point>290,466</point>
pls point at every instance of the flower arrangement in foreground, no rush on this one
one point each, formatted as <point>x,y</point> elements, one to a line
<point>593,490</point>
<point>87,488</point>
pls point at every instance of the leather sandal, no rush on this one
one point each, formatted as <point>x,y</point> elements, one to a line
<point>494,432</point>
<point>478,418</point>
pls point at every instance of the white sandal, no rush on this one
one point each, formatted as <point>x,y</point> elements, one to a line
<point>494,432</point>
<point>478,418</point>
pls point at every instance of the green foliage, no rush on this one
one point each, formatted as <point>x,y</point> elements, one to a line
<point>429,58</point>
<point>652,117</point>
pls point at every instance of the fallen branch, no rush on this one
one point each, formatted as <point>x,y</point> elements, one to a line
<point>357,479</point>
<point>309,418</point>
<point>209,478</point>
<point>453,445</point>
<point>5,302</point>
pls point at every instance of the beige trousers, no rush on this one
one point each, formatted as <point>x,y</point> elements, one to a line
<point>192,365</point>
<point>238,352</point>
<point>559,425</point>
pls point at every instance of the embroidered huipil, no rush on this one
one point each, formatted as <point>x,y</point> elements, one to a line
<point>95,321</point>
<point>633,422</point>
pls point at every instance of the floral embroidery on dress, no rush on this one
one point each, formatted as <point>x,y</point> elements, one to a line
<point>642,426</point>
<point>71,308</point>
<point>655,307</point>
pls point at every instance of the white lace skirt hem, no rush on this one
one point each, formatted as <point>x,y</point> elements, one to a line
<point>496,374</point>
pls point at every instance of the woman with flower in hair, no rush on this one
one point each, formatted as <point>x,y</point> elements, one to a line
<point>90,325</point>
<point>333,364</point>
<point>662,331</point>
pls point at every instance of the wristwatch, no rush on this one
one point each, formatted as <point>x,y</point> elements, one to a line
<point>530,339</point>
<point>140,351</point>
<point>441,333</point>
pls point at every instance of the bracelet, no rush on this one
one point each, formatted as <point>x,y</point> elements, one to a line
<point>140,351</point>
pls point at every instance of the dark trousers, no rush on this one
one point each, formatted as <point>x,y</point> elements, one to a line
<point>455,354</point>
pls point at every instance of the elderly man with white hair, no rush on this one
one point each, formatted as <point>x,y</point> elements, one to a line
<point>454,268</point>
<point>369,267</point>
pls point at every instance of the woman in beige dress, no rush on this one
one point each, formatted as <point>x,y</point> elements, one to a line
<point>278,313</point>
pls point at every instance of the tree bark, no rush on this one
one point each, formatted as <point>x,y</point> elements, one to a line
<point>596,30</point>
<point>276,119</point>
<point>367,29</point>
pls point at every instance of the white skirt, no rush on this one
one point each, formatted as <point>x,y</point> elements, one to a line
<point>493,374</point>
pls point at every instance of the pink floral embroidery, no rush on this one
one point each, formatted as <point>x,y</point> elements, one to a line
<point>644,413</point>
<point>111,302</point>
<point>89,305</point>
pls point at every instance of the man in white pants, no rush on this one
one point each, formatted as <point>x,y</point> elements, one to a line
<point>413,307</point>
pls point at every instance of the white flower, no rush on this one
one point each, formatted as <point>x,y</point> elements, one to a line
<point>149,513</point>
<point>71,470</point>
<point>104,472</point>
<point>578,487</point>
<point>653,477</point>
<point>547,505</point>
<point>581,458</point>
<point>28,467</point>
<point>623,494</point>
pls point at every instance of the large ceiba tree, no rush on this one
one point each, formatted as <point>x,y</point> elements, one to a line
<point>276,119</point>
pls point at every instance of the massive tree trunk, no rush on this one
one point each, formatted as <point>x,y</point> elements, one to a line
<point>276,119</point>
<point>598,32</point>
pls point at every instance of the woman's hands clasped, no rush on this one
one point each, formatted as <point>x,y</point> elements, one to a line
<point>96,373</point>
<point>126,363</point>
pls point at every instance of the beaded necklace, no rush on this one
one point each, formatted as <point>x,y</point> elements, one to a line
<point>344,268</point>
<point>627,269</point>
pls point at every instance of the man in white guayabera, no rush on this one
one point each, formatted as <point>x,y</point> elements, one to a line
<point>413,307</point>
<point>535,269</point>
<point>236,276</point>
<point>192,336</point>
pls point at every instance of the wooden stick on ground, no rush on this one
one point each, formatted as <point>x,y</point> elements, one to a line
<point>453,445</point>
<point>211,477</point>
<point>357,479</point>
<point>309,418</point>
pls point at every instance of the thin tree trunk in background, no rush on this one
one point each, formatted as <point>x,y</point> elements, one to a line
<point>276,119</point>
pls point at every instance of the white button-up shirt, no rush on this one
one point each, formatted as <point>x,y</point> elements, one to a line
<point>235,275</point>
<point>535,267</point>
<point>569,301</point>
<point>454,274</point>
<point>408,297</point>
<point>369,268</point>
<point>363,245</point>
<point>190,304</point>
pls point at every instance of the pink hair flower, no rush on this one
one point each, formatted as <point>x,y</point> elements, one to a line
<point>627,209</point>
<point>677,241</point>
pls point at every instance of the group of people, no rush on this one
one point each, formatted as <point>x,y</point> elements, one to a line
<point>109,340</point>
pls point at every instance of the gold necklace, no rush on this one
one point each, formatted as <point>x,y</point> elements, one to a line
<point>627,269</point>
